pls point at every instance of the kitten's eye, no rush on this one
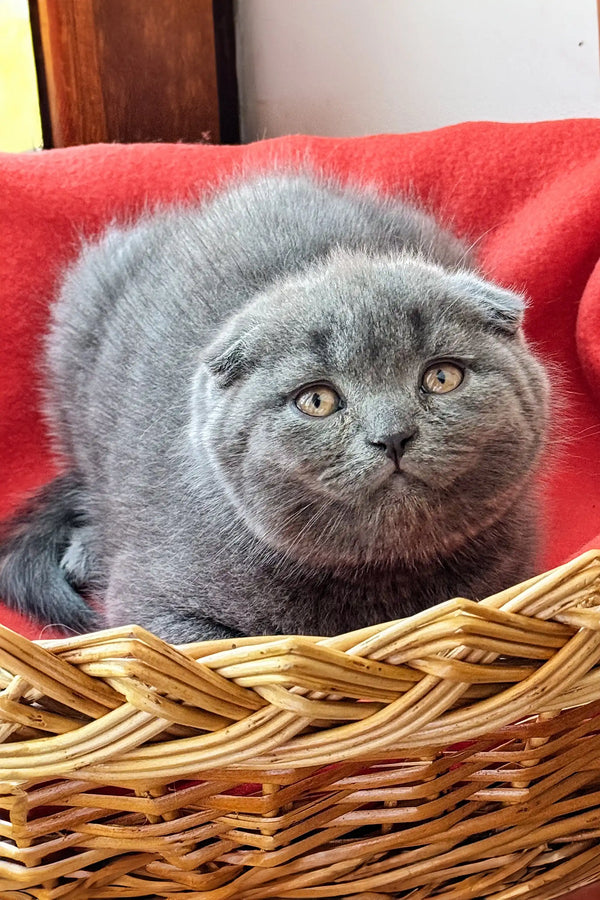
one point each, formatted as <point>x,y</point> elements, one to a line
<point>319,400</point>
<point>442,378</point>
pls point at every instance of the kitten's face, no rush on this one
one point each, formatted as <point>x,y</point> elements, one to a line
<point>373,410</point>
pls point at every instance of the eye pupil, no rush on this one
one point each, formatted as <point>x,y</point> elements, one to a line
<point>442,378</point>
<point>320,401</point>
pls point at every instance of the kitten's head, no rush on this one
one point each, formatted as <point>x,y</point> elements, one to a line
<point>372,410</point>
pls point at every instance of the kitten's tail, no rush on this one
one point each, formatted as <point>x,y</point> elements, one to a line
<point>36,577</point>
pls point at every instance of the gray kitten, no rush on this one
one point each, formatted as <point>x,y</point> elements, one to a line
<point>296,408</point>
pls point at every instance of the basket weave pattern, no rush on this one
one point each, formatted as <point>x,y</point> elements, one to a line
<point>455,755</point>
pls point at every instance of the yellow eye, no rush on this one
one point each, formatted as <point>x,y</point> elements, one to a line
<point>442,378</point>
<point>319,400</point>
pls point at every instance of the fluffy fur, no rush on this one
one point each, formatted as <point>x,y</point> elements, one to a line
<point>198,500</point>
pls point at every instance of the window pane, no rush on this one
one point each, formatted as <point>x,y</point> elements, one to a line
<point>20,124</point>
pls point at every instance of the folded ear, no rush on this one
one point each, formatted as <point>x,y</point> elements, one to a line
<point>234,352</point>
<point>501,308</point>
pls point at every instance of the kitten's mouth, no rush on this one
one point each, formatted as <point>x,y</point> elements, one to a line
<point>395,479</point>
<point>405,477</point>
<point>399,481</point>
<point>400,478</point>
<point>402,469</point>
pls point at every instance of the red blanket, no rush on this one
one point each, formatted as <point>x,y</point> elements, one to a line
<point>528,194</point>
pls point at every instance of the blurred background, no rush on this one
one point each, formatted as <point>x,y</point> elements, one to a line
<point>80,71</point>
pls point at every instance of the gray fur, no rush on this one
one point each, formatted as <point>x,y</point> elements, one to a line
<point>208,505</point>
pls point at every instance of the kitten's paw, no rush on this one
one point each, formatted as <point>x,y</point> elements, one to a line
<point>78,562</point>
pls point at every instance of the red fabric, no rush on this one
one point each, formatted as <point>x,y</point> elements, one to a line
<point>528,194</point>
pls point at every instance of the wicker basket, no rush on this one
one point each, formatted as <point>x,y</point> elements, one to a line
<point>452,755</point>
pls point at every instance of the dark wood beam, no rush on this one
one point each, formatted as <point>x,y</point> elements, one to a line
<point>135,70</point>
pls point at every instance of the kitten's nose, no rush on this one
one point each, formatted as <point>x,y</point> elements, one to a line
<point>395,444</point>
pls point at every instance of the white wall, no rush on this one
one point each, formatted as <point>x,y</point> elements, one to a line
<point>349,67</point>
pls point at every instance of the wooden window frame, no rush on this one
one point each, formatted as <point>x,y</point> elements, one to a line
<point>135,70</point>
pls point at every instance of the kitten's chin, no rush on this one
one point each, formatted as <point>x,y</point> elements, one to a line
<point>399,486</point>
<point>345,536</point>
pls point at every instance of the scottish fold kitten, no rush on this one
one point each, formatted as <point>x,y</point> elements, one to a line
<point>295,408</point>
